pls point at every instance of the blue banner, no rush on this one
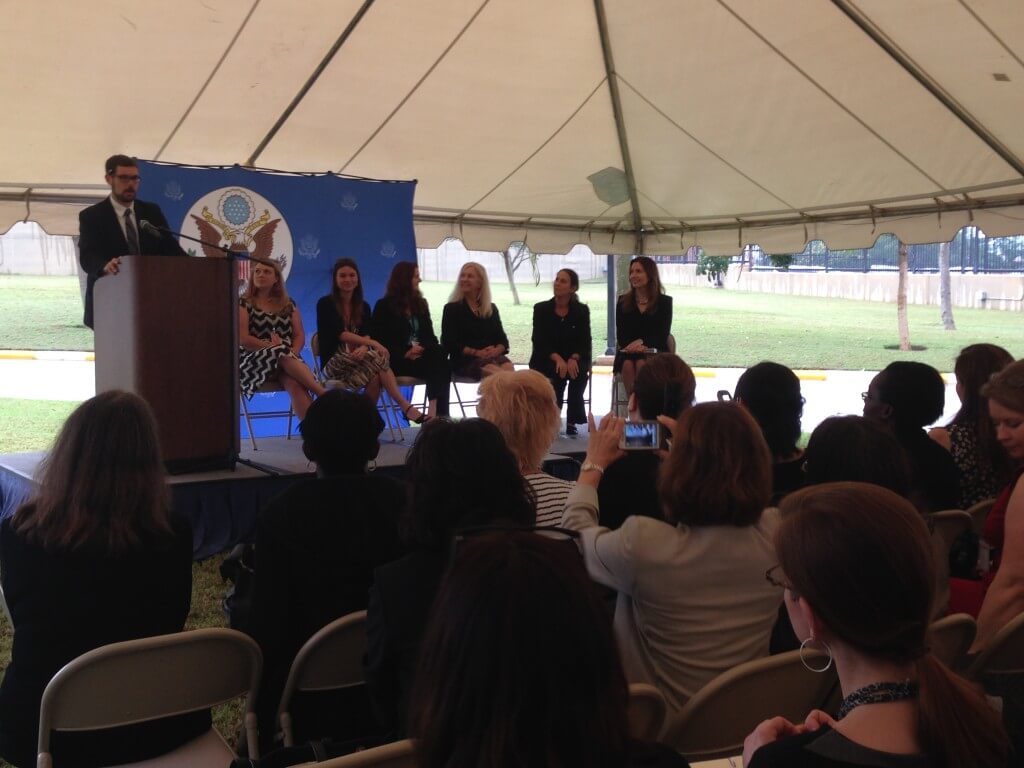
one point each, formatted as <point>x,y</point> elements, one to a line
<point>304,222</point>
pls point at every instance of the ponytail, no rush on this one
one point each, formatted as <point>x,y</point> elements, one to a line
<point>957,725</point>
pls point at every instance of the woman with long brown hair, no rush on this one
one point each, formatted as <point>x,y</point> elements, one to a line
<point>401,321</point>
<point>271,337</point>
<point>93,557</point>
<point>643,320</point>
<point>349,354</point>
<point>902,706</point>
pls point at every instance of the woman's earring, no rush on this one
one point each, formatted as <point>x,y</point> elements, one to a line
<point>825,648</point>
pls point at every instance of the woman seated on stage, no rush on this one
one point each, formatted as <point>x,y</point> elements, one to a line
<point>522,405</point>
<point>643,320</point>
<point>561,345</point>
<point>519,667</point>
<point>471,329</point>
<point>401,322</point>
<point>93,557</point>
<point>271,338</point>
<point>902,706</point>
<point>693,601</point>
<point>348,353</point>
<point>459,475</point>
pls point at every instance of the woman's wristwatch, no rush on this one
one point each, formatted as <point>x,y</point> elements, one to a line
<point>588,466</point>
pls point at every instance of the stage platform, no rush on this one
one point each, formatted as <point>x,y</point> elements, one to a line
<point>222,505</point>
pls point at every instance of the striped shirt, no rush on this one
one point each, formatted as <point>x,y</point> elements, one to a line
<point>551,493</point>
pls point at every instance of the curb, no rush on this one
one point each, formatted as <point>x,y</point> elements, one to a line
<point>51,356</point>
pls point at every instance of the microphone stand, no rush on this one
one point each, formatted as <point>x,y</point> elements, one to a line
<point>145,225</point>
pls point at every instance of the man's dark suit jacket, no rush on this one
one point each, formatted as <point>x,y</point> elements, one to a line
<point>101,239</point>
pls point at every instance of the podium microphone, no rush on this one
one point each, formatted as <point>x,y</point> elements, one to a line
<point>155,229</point>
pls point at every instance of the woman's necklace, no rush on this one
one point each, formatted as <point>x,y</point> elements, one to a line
<point>878,693</point>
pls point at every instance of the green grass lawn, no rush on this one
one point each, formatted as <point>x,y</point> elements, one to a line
<point>43,312</point>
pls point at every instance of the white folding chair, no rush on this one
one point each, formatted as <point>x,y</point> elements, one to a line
<point>467,402</point>
<point>950,638</point>
<point>646,712</point>
<point>140,680</point>
<point>330,660</point>
<point>396,755</point>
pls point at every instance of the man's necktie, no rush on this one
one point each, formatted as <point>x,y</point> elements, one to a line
<point>130,234</point>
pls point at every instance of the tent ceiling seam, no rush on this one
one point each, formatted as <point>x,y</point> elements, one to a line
<point>954,107</point>
<point>620,120</point>
<point>310,81</point>
<point>213,73</point>
<point>533,154</point>
<point>704,146</point>
<point>981,22</point>
<point>828,95</point>
<point>416,86</point>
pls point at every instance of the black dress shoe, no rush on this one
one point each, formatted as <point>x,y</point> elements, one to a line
<point>570,430</point>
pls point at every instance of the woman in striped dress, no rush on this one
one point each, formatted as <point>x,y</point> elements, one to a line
<point>271,338</point>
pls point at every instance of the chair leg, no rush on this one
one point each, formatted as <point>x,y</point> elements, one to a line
<point>458,397</point>
<point>291,413</point>
<point>248,422</point>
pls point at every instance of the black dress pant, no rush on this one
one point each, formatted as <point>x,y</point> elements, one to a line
<point>432,367</point>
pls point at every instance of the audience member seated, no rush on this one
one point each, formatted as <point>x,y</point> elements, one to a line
<point>348,354</point>
<point>317,545</point>
<point>902,707</point>
<point>771,393</point>
<point>522,405</point>
<point>693,601</point>
<point>271,337</point>
<point>1004,526</point>
<point>93,557</point>
<point>401,321</point>
<point>562,345</point>
<point>970,437</point>
<point>471,330</point>
<point>905,398</point>
<point>519,667</point>
<point>460,475</point>
<point>630,485</point>
<point>856,449</point>
<point>643,320</point>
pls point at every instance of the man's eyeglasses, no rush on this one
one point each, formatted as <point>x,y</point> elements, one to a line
<point>125,177</point>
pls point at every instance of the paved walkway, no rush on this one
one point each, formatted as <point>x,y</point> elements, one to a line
<point>69,376</point>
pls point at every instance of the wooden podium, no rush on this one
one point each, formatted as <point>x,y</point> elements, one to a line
<point>167,330</point>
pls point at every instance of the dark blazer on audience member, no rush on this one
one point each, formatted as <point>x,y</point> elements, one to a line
<point>101,239</point>
<point>565,336</point>
<point>934,477</point>
<point>66,603</point>
<point>401,600</point>
<point>317,545</point>
<point>461,327</point>
<point>629,487</point>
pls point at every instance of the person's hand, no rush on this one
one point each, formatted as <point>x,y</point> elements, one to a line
<point>275,340</point>
<point>767,732</point>
<point>603,448</point>
<point>635,346</point>
<point>561,367</point>
<point>358,353</point>
<point>113,266</point>
<point>573,367</point>
<point>382,350</point>
<point>415,352</point>
<point>816,719</point>
<point>492,351</point>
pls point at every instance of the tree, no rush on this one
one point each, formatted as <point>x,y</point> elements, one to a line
<point>946,307</point>
<point>901,301</point>
<point>514,256</point>
<point>715,267</point>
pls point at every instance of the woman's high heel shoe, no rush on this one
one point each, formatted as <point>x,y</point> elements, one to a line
<point>421,419</point>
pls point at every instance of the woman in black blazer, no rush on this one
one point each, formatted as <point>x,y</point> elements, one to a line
<point>643,320</point>
<point>401,322</point>
<point>471,329</point>
<point>561,345</point>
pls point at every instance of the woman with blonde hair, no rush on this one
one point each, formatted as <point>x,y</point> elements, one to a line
<point>692,599</point>
<point>471,329</point>
<point>902,706</point>
<point>94,557</point>
<point>271,337</point>
<point>521,404</point>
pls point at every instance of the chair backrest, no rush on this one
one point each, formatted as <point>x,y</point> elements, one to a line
<point>139,680</point>
<point>314,347</point>
<point>329,660</point>
<point>951,636</point>
<point>646,712</point>
<point>715,721</point>
<point>1004,655</point>
<point>949,524</point>
<point>979,512</point>
<point>396,755</point>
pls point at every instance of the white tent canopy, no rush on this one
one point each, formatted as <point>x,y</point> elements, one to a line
<point>628,125</point>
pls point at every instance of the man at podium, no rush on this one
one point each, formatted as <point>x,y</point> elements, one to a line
<point>110,228</point>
